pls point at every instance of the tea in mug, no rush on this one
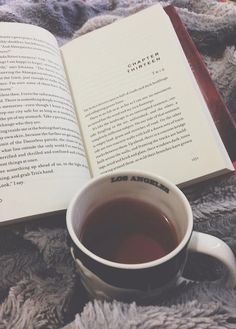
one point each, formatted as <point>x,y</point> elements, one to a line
<point>128,231</point>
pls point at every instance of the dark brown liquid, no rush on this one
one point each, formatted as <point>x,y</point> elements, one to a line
<point>128,231</point>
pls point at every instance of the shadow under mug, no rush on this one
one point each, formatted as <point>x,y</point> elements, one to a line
<point>109,280</point>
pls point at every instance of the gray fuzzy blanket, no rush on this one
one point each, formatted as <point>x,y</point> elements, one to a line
<point>39,286</point>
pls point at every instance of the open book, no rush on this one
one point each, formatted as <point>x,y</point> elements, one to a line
<point>120,97</point>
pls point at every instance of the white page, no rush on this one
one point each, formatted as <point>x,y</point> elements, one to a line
<point>42,160</point>
<point>138,104</point>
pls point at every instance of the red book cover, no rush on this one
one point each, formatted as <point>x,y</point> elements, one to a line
<point>220,113</point>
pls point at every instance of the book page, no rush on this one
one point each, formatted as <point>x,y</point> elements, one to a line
<point>42,160</point>
<point>138,104</point>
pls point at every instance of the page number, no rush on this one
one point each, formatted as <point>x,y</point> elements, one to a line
<point>196,158</point>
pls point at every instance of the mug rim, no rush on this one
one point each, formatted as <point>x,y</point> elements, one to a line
<point>136,266</point>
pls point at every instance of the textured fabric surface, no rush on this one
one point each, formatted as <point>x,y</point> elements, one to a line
<point>39,286</point>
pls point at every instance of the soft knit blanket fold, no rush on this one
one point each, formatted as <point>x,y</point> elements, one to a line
<point>39,286</point>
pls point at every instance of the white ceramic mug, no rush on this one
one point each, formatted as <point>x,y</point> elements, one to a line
<point>110,280</point>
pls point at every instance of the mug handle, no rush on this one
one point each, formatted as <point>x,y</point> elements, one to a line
<point>217,248</point>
